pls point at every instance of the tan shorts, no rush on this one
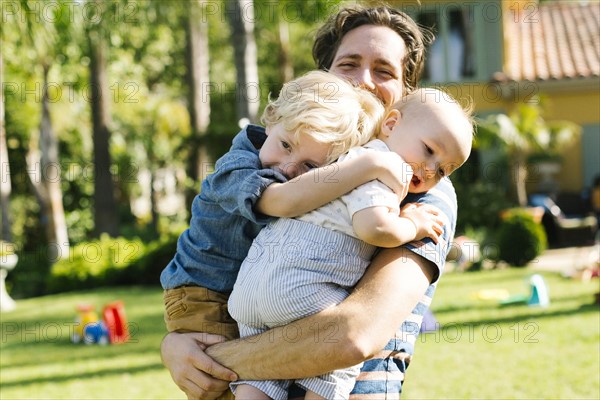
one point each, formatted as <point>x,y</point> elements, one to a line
<point>197,309</point>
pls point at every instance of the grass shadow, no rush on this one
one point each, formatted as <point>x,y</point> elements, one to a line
<point>58,378</point>
<point>531,316</point>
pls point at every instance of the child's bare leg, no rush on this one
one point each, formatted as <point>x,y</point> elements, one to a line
<point>249,392</point>
<point>313,396</point>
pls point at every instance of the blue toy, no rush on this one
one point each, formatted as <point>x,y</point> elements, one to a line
<point>88,328</point>
<point>96,332</point>
<point>539,292</point>
<point>91,329</point>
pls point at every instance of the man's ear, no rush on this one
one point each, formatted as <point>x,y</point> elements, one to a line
<point>389,122</point>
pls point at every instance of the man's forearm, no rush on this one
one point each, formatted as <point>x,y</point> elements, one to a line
<point>340,336</point>
<point>289,351</point>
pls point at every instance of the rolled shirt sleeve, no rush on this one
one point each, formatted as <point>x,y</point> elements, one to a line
<point>223,224</point>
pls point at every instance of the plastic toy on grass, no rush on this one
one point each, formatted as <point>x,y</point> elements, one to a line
<point>539,292</point>
<point>114,317</point>
<point>90,329</point>
<point>538,296</point>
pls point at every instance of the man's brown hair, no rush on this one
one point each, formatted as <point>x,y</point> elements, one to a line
<point>415,38</point>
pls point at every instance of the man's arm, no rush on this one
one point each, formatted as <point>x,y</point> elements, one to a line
<point>340,336</point>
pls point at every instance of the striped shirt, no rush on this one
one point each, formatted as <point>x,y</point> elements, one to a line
<point>382,377</point>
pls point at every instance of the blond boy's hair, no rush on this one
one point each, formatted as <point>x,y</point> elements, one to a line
<point>328,109</point>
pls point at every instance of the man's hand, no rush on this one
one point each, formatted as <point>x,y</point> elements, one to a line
<point>196,374</point>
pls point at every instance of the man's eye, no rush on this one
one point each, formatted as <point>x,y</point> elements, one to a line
<point>386,73</point>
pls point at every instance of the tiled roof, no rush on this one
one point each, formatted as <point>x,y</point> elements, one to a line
<point>555,41</point>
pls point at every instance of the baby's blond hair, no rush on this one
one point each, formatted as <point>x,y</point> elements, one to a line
<point>433,96</point>
<point>328,109</point>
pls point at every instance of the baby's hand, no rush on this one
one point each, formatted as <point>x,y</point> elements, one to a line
<point>426,219</point>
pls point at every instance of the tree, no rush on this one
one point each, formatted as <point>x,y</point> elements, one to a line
<point>198,105</point>
<point>105,207</point>
<point>5,186</point>
<point>523,133</point>
<point>240,14</point>
<point>286,68</point>
<point>43,158</point>
<point>50,191</point>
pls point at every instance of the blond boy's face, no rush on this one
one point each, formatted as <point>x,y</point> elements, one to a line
<point>434,139</point>
<point>282,152</point>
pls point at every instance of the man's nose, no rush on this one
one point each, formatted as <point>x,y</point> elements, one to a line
<point>365,80</point>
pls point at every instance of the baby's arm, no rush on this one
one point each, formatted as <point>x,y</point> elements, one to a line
<point>322,185</point>
<point>381,227</point>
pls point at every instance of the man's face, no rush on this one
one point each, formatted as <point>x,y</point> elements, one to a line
<point>371,56</point>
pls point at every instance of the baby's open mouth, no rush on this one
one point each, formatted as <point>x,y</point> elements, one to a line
<point>415,180</point>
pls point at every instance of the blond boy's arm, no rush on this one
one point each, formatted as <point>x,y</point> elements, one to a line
<point>322,185</point>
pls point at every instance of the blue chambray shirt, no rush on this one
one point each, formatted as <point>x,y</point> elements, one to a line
<point>223,224</point>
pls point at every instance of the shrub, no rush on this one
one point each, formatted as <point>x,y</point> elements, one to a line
<point>98,263</point>
<point>29,277</point>
<point>156,257</point>
<point>520,238</point>
<point>479,205</point>
<point>112,261</point>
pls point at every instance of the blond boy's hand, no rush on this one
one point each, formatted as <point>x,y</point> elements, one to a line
<point>393,171</point>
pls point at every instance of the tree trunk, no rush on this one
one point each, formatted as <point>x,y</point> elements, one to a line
<point>51,177</point>
<point>520,180</point>
<point>153,204</point>
<point>5,183</point>
<point>286,69</point>
<point>45,176</point>
<point>198,105</point>
<point>105,208</point>
<point>240,14</point>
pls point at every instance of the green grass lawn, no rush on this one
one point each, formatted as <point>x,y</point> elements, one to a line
<point>487,351</point>
<point>37,359</point>
<point>482,351</point>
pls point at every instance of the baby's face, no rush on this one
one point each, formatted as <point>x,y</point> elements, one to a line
<point>282,152</point>
<point>435,141</point>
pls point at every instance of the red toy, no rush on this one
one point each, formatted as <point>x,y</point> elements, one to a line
<point>116,322</point>
<point>112,329</point>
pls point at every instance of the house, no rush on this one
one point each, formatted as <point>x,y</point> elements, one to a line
<point>500,53</point>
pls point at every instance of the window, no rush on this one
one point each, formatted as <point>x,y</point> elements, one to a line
<point>451,57</point>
